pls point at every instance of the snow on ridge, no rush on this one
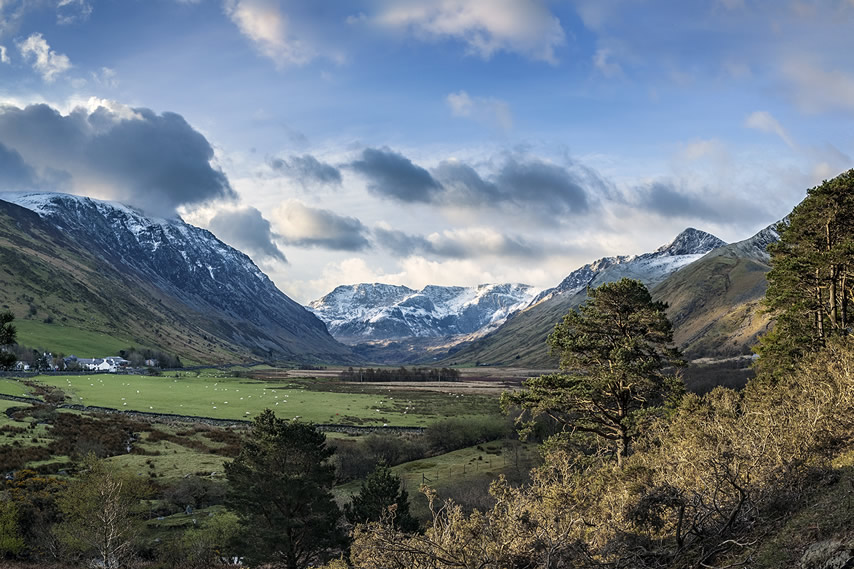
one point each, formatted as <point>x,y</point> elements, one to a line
<point>149,232</point>
<point>380,311</point>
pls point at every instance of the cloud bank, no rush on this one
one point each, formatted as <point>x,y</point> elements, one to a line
<point>393,175</point>
<point>154,161</point>
<point>304,226</point>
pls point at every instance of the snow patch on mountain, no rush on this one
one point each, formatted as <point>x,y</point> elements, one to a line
<point>363,312</point>
<point>189,264</point>
<point>649,268</point>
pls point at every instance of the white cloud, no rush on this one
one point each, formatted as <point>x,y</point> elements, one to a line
<point>764,121</point>
<point>486,26</point>
<point>699,149</point>
<point>106,77</point>
<point>305,226</point>
<point>265,23</point>
<point>352,270</point>
<point>460,103</point>
<point>483,109</point>
<point>603,62</point>
<point>817,89</point>
<point>71,11</point>
<point>4,56</point>
<point>45,61</point>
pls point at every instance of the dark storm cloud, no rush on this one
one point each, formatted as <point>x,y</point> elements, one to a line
<point>558,189</point>
<point>467,244</point>
<point>156,162</point>
<point>247,230</point>
<point>464,184</point>
<point>305,226</point>
<point>393,175</point>
<point>401,244</point>
<point>15,174</point>
<point>516,181</point>
<point>526,183</point>
<point>667,199</point>
<point>307,170</point>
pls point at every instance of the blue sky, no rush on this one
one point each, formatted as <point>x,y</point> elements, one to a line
<point>431,142</point>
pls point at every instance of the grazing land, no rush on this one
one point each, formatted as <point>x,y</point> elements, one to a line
<point>219,395</point>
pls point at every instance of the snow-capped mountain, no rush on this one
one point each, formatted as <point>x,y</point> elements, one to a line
<point>650,268</point>
<point>362,312</point>
<point>527,330</point>
<point>229,294</point>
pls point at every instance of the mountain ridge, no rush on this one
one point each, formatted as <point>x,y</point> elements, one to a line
<point>218,290</point>
<point>521,340</point>
<point>376,311</point>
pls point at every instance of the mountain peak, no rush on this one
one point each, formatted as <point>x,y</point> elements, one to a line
<point>691,242</point>
<point>393,312</point>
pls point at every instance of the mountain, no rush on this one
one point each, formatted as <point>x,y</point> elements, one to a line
<point>106,267</point>
<point>714,302</point>
<point>649,268</point>
<point>521,340</point>
<point>372,312</point>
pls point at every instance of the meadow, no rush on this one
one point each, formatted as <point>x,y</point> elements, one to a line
<point>60,339</point>
<point>219,395</point>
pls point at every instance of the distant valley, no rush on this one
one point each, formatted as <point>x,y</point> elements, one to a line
<point>712,288</point>
<point>80,264</point>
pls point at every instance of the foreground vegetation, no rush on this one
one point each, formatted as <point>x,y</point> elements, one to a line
<point>635,473</point>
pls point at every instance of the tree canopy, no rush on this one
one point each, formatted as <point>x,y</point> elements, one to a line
<point>8,338</point>
<point>613,352</point>
<point>381,497</point>
<point>810,285</point>
<point>280,486</point>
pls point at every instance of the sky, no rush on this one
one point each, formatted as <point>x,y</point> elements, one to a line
<point>449,142</point>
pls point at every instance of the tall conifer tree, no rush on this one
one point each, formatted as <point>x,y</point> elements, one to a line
<point>280,485</point>
<point>810,285</point>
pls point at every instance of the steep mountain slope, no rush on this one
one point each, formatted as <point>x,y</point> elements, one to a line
<point>365,312</point>
<point>107,267</point>
<point>649,268</point>
<point>521,340</point>
<point>714,302</point>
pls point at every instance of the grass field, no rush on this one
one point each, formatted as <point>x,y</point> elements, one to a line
<point>10,386</point>
<point>213,394</point>
<point>67,340</point>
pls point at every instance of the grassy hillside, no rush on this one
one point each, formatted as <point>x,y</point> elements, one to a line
<point>714,304</point>
<point>65,299</point>
<point>521,341</point>
<point>714,307</point>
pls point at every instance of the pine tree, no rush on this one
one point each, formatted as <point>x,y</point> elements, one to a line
<point>381,491</point>
<point>811,282</point>
<point>280,485</point>
<point>614,352</point>
<point>8,338</point>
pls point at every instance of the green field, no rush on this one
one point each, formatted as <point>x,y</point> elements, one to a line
<point>67,340</point>
<point>10,386</point>
<point>320,401</point>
